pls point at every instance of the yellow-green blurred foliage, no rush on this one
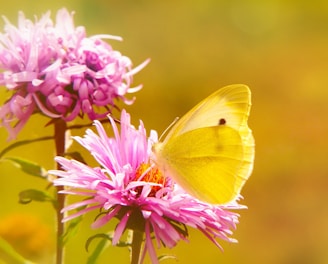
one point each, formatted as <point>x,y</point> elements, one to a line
<point>28,234</point>
<point>279,49</point>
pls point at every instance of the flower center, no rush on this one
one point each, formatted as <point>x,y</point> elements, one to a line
<point>150,174</point>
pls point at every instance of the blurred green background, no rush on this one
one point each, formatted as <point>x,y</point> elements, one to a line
<point>279,49</point>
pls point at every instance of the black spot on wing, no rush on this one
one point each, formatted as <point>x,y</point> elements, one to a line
<point>222,121</point>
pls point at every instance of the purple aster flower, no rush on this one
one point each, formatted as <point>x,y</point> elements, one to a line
<point>55,69</point>
<point>128,185</point>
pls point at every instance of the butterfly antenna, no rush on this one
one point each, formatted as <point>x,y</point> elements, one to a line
<point>169,127</point>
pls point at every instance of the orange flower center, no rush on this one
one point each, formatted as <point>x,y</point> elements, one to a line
<point>150,174</point>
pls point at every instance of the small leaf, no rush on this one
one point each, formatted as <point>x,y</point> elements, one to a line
<point>30,195</point>
<point>9,255</point>
<point>28,167</point>
<point>22,143</point>
<point>102,235</point>
<point>103,243</point>
<point>71,229</point>
<point>105,240</point>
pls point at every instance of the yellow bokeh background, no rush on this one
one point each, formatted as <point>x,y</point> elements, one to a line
<point>279,49</point>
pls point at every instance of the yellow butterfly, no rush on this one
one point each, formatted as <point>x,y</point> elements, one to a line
<point>209,152</point>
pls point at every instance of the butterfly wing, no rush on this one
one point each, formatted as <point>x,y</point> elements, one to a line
<point>205,162</point>
<point>210,150</point>
<point>231,103</point>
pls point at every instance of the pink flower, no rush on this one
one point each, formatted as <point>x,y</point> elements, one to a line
<point>55,69</point>
<point>127,185</point>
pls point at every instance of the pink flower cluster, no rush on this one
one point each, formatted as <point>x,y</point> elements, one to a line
<point>55,69</point>
<point>127,185</point>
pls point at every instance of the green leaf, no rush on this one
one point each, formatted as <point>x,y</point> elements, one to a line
<point>109,237</point>
<point>102,235</point>
<point>71,229</point>
<point>28,167</point>
<point>30,195</point>
<point>22,143</point>
<point>105,240</point>
<point>9,255</point>
<point>103,243</point>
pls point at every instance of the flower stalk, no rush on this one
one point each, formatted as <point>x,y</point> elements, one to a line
<point>136,247</point>
<point>60,130</point>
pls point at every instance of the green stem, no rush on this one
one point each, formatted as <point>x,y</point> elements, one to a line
<point>60,129</point>
<point>136,246</point>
